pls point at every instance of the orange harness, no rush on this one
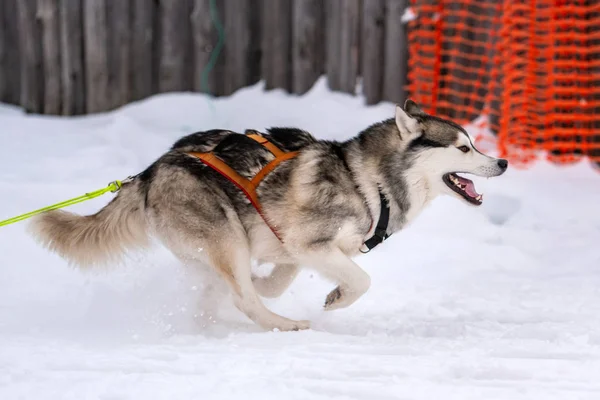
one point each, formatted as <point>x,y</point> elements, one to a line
<point>249,186</point>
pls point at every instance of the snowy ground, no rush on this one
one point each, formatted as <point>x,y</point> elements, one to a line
<point>500,302</point>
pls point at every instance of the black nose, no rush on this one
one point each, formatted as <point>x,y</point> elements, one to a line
<point>502,163</point>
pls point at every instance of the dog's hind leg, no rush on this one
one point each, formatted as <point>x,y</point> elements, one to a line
<point>227,251</point>
<point>277,281</point>
<point>230,258</point>
<point>234,265</point>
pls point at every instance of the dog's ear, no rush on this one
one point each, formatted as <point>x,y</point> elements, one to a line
<point>407,125</point>
<point>412,108</point>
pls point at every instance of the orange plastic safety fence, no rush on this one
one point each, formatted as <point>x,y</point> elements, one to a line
<point>527,70</point>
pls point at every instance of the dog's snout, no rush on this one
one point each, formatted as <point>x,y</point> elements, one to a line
<point>502,163</point>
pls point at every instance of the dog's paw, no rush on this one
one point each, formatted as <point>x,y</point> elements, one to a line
<point>292,326</point>
<point>333,299</point>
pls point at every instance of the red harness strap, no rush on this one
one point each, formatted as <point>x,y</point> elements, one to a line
<point>245,185</point>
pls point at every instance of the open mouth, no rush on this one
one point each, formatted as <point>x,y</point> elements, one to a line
<point>463,187</point>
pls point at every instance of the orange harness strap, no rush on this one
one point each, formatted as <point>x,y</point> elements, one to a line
<point>245,185</point>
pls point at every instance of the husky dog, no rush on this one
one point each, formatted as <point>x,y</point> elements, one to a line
<point>325,203</point>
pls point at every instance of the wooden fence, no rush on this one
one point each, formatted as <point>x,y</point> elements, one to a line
<point>74,57</point>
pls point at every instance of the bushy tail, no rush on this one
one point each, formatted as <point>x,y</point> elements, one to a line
<point>95,239</point>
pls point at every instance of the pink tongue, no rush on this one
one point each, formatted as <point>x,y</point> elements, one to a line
<point>470,188</point>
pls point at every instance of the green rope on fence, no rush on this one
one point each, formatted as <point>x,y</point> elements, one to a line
<point>214,16</point>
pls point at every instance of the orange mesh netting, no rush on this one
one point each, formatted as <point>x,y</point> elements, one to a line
<point>528,70</point>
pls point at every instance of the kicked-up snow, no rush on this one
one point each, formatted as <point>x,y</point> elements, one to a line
<point>496,302</point>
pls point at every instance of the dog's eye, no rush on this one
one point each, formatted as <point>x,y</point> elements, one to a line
<point>464,149</point>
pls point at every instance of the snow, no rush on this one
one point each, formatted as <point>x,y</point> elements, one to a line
<point>408,15</point>
<point>496,302</point>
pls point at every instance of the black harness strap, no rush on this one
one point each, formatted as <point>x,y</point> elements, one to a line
<point>380,233</point>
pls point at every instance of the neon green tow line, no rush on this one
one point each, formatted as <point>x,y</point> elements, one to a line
<point>112,187</point>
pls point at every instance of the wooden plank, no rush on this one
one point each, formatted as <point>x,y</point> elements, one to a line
<point>173,45</point>
<point>3,45</point>
<point>276,44</point>
<point>454,74</point>
<point>119,53</point>
<point>488,34</point>
<point>307,44</point>
<point>396,53</point>
<point>204,35</point>
<point>255,56</point>
<point>48,14</point>
<point>143,38</point>
<point>237,46</point>
<point>96,56</point>
<point>71,51</point>
<point>188,60</point>
<point>593,98</point>
<point>372,45</point>
<point>495,72</point>
<point>12,57</point>
<point>333,48</point>
<point>31,98</point>
<point>349,45</point>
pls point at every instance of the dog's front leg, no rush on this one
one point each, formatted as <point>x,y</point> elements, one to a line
<point>352,280</point>
<point>277,282</point>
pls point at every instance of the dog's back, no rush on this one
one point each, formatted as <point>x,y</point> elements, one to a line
<point>106,235</point>
<point>221,141</point>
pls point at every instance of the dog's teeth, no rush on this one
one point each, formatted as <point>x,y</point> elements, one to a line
<point>479,198</point>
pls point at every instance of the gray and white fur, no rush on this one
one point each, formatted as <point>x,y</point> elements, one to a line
<point>324,203</point>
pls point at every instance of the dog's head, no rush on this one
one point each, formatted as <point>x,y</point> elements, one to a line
<point>439,149</point>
